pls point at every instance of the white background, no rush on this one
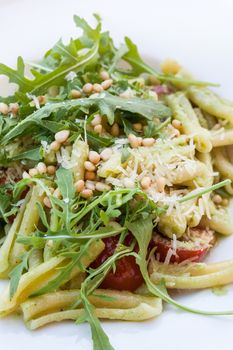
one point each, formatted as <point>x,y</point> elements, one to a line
<point>200,35</point>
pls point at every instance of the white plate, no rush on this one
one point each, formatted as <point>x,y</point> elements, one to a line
<point>200,35</point>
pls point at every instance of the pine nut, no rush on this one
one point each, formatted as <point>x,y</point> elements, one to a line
<point>4,109</point>
<point>145,182</point>
<point>89,166</point>
<point>57,193</point>
<point>94,157</point>
<point>217,199</point>
<point>33,172</point>
<point>148,142</point>
<point>62,136</point>
<point>115,130</point>
<point>97,88</point>
<point>101,187</point>
<point>47,202</point>
<point>55,146</point>
<point>137,127</point>
<point>86,193</point>
<point>104,75</point>
<point>53,91</point>
<point>79,186</point>
<point>14,108</point>
<point>90,185</point>
<point>106,84</point>
<point>25,175</point>
<point>90,175</point>
<point>225,202</point>
<point>88,88</point>
<point>41,167</point>
<point>41,100</point>
<point>51,169</point>
<point>106,154</point>
<point>160,182</point>
<point>75,93</point>
<point>96,120</point>
<point>98,129</point>
<point>134,141</point>
<point>176,124</point>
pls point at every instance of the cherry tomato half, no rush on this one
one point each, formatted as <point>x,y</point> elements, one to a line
<point>193,248</point>
<point>127,275</point>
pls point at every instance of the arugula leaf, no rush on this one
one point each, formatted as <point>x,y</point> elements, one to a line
<point>139,66</point>
<point>99,337</point>
<point>153,129</point>
<point>105,102</point>
<point>97,142</point>
<point>17,272</point>
<point>33,154</point>
<point>135,60</point>
<point>65,183</point>
<point>17,76</point>
<point>77,61</point>
<point>5,201</point>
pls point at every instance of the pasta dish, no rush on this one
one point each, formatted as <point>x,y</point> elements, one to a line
<point>115,182</point>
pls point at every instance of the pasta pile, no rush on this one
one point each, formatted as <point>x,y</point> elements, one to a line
<point>114,184</point>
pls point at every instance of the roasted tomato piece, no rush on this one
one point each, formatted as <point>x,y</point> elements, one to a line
<point>194,246</point>
<point>127,275</point>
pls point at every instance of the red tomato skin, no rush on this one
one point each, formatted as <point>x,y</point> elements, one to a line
<point>181,254</point>
<point>127,275</point>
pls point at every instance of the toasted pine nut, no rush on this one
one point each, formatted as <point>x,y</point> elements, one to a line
<point>106,154</point>
<point>89,166</point>
<point>160,182</point>
<point>98,128</point>
<point>176,124</point>
<point>57,193</point>
<point>148,142</point>
<point>41,167</point>
<point>33,172</point>
<point>13,108</point>
<point>79,186</point>
<point>97,88</point>
<point>225,202</point>
<point>106,84</point>
<point>137,127</point>
<point>4,109</point>
<point>86,193</point>
<point>88,88</point>
<point>25,175</point>
<point>101,187</point>
<point>55,146</point>
<point>217,199</point>
<point>94,157</point>
<point>90,175</point>
<point>96,120</point>
<point>75,93</point>
<point>115,130</point>
<point>134,141</point>
<point>145,182</point>
<point>41,100</point>
<point>51,169</point>
<point>53,91</point>
<point>62,136</point>
<point>90,185</point>
<point>104,75</point>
